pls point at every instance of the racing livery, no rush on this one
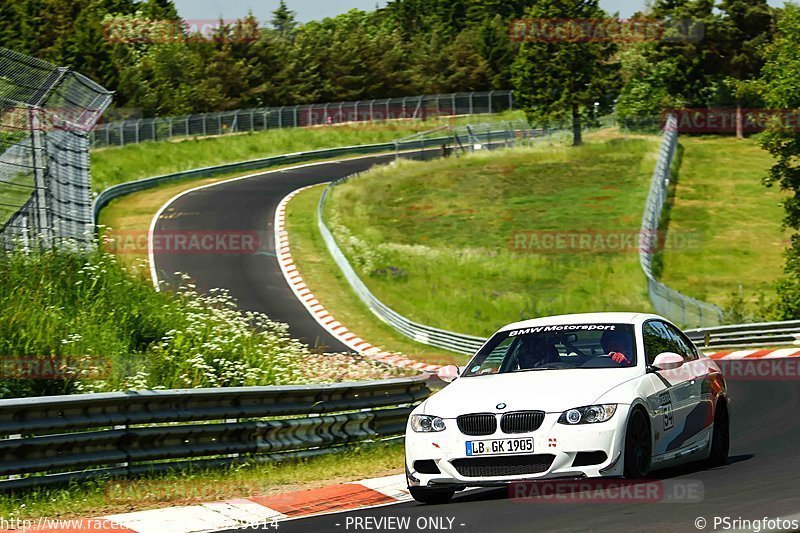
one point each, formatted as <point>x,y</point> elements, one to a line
<point>586,395</point>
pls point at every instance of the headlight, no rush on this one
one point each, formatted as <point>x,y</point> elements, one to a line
<point>427,423</point>
<point>588,415</point>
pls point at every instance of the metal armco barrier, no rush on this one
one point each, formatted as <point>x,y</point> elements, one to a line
<point>672,304</point>
<point>62,438</point>
<point>448,340</point>
<point>756,335</point>
<point>117,191</point>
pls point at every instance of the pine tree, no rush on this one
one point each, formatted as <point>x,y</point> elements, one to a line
<point>283,20</point>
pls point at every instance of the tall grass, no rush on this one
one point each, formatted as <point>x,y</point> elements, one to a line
<point>81,322</point>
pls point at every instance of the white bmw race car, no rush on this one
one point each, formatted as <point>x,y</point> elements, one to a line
<point>601,394</point>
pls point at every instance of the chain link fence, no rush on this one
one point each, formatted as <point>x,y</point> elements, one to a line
<point>668,302</point>
<point>46,114</point>
<point>135,131</point>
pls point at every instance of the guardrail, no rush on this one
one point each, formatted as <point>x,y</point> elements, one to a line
<point>440,338</point>
<point>667,301</point>
<point>64,438</point>
<point>756,335</point>
<point>123,189</point>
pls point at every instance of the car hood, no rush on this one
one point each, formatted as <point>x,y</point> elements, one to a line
<point>543,390</point>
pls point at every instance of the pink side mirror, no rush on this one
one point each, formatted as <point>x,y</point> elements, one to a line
<point>668,361</point>
<point>449,373</point>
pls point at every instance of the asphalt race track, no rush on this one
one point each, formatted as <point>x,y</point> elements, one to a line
<point>760,480</point>
<point>247,206</point>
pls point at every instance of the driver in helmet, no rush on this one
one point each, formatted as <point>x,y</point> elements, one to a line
<point>534,352</point>
<point>617,345</point>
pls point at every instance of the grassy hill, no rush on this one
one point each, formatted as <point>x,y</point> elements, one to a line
<point>469,244</point>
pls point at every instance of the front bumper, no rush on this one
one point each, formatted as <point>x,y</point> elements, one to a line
<point>555,450</point>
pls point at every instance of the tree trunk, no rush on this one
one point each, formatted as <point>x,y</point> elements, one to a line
<point>739,121</point>
<point>577,134</point>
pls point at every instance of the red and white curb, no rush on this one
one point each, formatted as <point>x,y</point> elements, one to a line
<point>318,311</point>
<point>769,353</point>
<point>253,512</point>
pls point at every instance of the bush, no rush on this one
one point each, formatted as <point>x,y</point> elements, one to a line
<point>81,322</point>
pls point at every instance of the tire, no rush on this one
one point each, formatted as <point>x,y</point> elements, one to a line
<point>431,496</point>
<point>721,435</point>
<point>638,446</point>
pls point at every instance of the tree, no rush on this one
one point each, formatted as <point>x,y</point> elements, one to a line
<point>283,20</point>
<point>558,79</point>
<point>780,88</point>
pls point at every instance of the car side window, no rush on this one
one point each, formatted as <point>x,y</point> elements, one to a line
<point>687,349</point>
<point>657,339</point>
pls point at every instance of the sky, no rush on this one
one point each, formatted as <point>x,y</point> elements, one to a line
<point>317,9</point>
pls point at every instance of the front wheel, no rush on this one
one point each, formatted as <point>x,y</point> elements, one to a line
<point>637,446</point>
<point>721,436</point>
<point>431,496</point>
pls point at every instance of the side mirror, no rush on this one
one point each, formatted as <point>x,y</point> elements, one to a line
<point>449,373</point>
<point>667,361</point>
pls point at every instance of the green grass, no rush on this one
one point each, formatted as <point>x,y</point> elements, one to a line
<point>436,241</point>
<point>81,322</point>
<point>104,497</point>
<point>329,286</point>
<point>114,165</point>
<point>735,222</point>
<point>14,193</point>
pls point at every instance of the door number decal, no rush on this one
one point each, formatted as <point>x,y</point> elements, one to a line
<point>666,407</point>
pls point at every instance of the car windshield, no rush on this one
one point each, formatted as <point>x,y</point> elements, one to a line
<point>556,347</point>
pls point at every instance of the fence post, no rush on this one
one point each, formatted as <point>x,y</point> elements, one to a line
<point>296,122</point>
<point>372,111</point>
<point>454,111</point>
<point>510,100</point>
<point>490,101</point>
<point>138,122</point>
<point>471,105</point>
<point>169,121</point>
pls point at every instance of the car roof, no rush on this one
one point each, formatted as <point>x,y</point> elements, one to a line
<point>583,318</point>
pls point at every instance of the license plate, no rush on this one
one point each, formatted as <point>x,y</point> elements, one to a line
<point>499,446</point>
